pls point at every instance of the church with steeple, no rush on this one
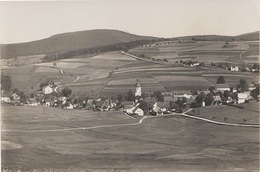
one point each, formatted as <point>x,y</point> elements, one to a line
<point>138,90</point>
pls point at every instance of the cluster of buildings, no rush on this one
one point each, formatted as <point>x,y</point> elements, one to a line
<point>49,97</point>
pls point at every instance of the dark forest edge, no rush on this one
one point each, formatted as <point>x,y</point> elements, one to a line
<point>99,49</point>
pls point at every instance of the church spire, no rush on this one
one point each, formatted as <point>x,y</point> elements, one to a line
<point>138,91</point>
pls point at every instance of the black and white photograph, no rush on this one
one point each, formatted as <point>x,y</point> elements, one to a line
<point>130,86</point>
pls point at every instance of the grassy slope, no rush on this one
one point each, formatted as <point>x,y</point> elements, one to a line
<point>163,143</point>
<point>244,113</point>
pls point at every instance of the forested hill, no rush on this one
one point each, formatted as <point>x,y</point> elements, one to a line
<point>69,41</point>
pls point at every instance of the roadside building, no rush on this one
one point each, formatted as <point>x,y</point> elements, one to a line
<point>242,98</point>
<point>32,102</point>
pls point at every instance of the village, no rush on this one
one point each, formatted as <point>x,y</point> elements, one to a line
<point>137,103</point>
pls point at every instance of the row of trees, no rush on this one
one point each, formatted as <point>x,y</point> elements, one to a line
<point>95,50</point>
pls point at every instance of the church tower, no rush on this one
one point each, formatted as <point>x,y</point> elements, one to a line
<point>138,91</point>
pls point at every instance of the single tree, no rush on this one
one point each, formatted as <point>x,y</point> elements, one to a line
<point>200,98</point>
<point>243,86</point>
<point>209,99</point>
<point>158,95</point>
<point>130,96</point>
<point>221,80</point>
<point>66,91</point>
<point>6,83</point>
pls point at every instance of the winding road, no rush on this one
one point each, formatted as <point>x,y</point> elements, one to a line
<point>138,123</point>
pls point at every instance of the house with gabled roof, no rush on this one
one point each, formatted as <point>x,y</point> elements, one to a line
<point>32,102</point>
<point>5,97</point>
<point>47,89</point>
<point>242,97</point>
<point>134,110</point>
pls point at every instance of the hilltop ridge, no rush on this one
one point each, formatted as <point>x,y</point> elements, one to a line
<point>69,41</point>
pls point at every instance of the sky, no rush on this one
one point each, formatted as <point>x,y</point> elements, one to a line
<point>24,21</point>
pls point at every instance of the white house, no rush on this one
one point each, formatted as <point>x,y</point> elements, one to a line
<point>131,109</point>
<point>69,106</point>
<point>234,68</point>
<point>5,99</point>
<point>15,97</point>
<point>47,89</point>
<point>195,64</point>
<point>242,97</point>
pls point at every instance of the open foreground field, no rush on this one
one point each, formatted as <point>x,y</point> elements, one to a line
<point>51,138</point>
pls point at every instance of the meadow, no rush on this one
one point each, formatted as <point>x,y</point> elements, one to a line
<point>46,138</point>
<point>207,51</point>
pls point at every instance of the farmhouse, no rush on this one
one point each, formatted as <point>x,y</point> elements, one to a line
<point>242,97</point>
<point>234,68</point>
<point>47,90</point>
<point>5,97</point>
<point>134,110</point>
<point>15,97</point>
<point>222,87</point>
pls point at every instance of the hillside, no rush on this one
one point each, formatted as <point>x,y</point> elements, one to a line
<point>243,37</point>
<point>69,41</point>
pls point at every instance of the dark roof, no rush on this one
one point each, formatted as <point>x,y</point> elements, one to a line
<point>127,103</point>
<point>99,103</point>
<point>150,100</point>
<point>163,104</point>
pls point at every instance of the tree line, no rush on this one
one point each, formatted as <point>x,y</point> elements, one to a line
<point>95,50</point>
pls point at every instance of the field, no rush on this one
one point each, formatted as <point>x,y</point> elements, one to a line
<point>244,113</point>
<point>206,51</point>
<point>46,138</point>
<point>88,75</point>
